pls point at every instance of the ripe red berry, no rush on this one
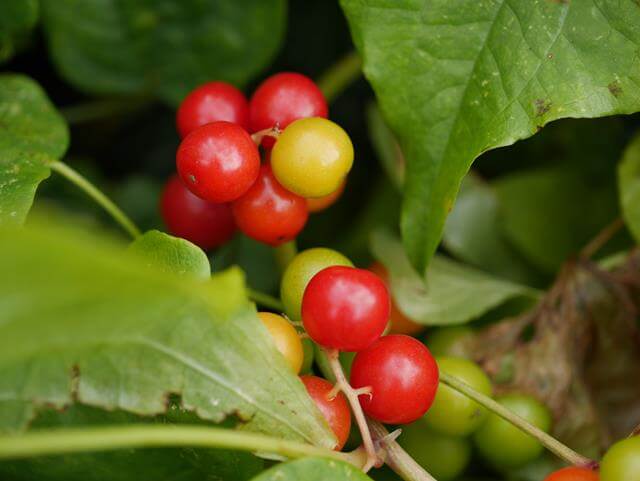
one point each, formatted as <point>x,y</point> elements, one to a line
<point>204,223</point>
<point>212,102</point>
<point>573,474</point>
<point>218,161</point>
<point>345,308</point>
<point>335,411</point>
<point>268,212</point>
<point>403,377</point>
<point>283,98</point>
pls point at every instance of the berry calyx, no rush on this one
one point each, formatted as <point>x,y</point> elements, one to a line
<point>403,377</point>
<point>334,408</point>
<point>318,204</point>
<point>186,215</point>
<point>345,308</point>
<point>285,338</point>
<point>218,161</point>
<point>283,98</point>
<point>398,322</point>
<point>312,157</point>
<point>212,102</point>
<point>268,212</point>
<point>573,474</point>
<point>300,271</point>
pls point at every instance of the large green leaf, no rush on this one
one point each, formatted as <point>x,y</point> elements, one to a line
<point>454,293</point>
<point>83,320</point>
<point>313,469</point>
<point>172,254</point>
<point>157,464</point>
<point>161,47</point>
<point>17,19</point>
<point>455,78</point>
<point>32,134</point>
<point>629,186</point>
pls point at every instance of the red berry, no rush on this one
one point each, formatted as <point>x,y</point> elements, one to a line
<point>218,161</point>
<point>283,98</point>
<point>573,474</point>
<point>403,377</point>
<point>212,102</point>
<point>204,223</point>
<point>335,411</point>
<point>345,308</point>
<point>268,212</point>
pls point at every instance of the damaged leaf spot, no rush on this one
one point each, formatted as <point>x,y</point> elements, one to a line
<point>614,87</point>
<point>542,107</point>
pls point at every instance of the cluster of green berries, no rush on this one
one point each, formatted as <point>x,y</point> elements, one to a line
<point>258,165</point>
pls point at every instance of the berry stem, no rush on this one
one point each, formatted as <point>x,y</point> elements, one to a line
<point>397,458</point>
<point>601,239</point>
<point>261,134</point>
<point>97,195</point>
<point>285,253</point>
<point>343,385</point>
<point>340,75</point>
<point>265,300</point>
<point>73,440</point>
<point>552,444</point>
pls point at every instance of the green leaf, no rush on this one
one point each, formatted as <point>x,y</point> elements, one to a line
<point>386,146</point>
<point>172,254</point>
<point>157,464</point>
<point>83,321</point>
<point>32,134</point>
<point>455,78</point>
<point>313,469</point>
<point>629,186</point>
<point>550,214</point>
<point>473,233</point>
<point>17,19</point>
<point>455,293</point>
<point>162,47</point>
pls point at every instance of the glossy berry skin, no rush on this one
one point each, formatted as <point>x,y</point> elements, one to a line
<point>285,337</point>
<point>573,474</point>
<point>453,413</point>
<point>622,461</point>
<point>398,322</point>
<point>268,212</point>
<point>283,98</point>
<point>318,204</point>
<point>345,308</point>
<point>218,161</point>
<point>335,411</point>
<point>403,377</point>
<point>212,102</point>
<point>312,157</point>
<point>300,271</point>
<point>504,445</point>
<point>204,223</point>
<point>444,457</point>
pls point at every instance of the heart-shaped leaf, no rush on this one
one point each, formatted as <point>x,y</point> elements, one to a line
<point>172,254</point>
<point>32,134</point>
<point>454,293</point>
<point>17,19</point>
<point>313,469</point>
<point>455,78</point>
<point>84,321</point>
<point>163,47</point>
<point>629,186</point>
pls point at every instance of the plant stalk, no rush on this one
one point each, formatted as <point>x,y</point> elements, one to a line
<point>73,440</point>
<point>548,441</point>
<point>340,75</point>
<point>265,300</point>
<point>96,194</point>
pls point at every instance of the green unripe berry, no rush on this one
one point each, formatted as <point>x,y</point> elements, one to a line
<point>622,461</point>
<point>453,413</point>
<point>449,341</point>
<point>299,272</point>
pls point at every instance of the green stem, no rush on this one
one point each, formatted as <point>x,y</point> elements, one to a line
<point>265,300</point>
<point>285,253</point>
<point>98,109</point>
<point>340,76</point>
<point>551,443</point>
<point>96,194</point>
<point>73,440</point>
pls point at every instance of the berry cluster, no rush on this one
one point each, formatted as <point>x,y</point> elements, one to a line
<point>222,182</point>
